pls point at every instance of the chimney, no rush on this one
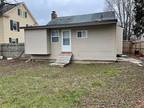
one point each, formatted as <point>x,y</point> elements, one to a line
<point>54,15</point>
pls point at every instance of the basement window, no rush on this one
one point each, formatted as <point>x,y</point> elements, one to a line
<point>13,41</point>
<point>82,34</point>
<point>55,35</point>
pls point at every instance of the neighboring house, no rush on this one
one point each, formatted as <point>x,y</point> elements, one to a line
<point>12,16</point>
<point>88,37</point>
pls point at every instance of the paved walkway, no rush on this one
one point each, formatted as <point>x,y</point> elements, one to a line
<point>132,60</point>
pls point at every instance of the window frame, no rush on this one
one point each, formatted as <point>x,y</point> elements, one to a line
<point>19,12</point>
<point>25,14</point>
<point>14,26</point>
<point>86,31</point>
<point>13,40</point>
<point>55,36</point>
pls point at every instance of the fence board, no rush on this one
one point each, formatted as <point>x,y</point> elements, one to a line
<point>130,48</point>
<point>11,50</point>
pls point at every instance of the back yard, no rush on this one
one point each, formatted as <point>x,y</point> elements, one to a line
<point>37,85</point>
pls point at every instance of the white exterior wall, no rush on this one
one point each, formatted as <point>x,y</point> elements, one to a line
<point>36,42</point>
<point>100,44</point>
<point>104,42</point>
<point>1,30</point>
<point>119,35</point>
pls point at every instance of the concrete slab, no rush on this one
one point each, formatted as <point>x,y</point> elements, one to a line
<point>132,60</point>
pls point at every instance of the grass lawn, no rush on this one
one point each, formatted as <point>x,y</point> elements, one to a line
<point>37,85</point>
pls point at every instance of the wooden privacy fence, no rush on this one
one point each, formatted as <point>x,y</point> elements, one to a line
<point>133,47</point>
<point>11,50</point>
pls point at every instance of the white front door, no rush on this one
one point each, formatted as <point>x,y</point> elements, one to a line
<point>66,40</point>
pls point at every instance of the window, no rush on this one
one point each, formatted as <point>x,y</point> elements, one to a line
<point>22,13</point>
<point>82,34</point>
<point>55,36</point>
<point>19,12</point>
<point>14,26</point>
<point>25,14</point>
<point>66,38</point>
<point>13,41</point>
<point>10,40</point>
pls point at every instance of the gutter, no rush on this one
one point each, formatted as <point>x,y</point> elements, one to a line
<point>71,25</point>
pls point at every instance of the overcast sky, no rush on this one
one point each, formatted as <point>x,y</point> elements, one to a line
<point>41,9</point>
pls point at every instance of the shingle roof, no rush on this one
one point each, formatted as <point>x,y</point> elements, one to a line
<point>78,21</point>
<point>103,16</point>
<point>6,7</point>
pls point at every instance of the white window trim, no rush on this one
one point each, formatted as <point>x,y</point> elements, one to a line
<point>55,36</point>
<point>82,31</point>
<point>15,22</point>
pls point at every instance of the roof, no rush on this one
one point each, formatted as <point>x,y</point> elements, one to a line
<point>79,20</point>
<point>83,18</point>
<point>6,7</point>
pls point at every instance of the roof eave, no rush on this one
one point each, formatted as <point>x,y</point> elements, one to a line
<point>114,21</point>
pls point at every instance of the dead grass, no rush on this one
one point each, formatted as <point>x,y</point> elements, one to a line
<point>37,85</point>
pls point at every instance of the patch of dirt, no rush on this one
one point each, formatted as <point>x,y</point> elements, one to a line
<point>9,67</point>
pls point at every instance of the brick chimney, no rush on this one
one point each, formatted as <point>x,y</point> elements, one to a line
<point>54,15</point>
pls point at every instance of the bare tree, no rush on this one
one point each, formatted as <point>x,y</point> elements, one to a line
<point>124,13</point>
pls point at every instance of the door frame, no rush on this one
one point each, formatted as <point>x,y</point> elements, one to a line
<point>62,40</point>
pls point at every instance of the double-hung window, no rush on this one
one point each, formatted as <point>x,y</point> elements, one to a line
<point>14,25</point>
<point>55,35</point>
<point>82,34</point>
<point>25,14</point>
<point>19,12</point>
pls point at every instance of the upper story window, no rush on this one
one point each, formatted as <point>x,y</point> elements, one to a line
<point>82,34</point>
<point>19,12</point>
<point>25,14</point>
<point>22,13</point>
<point>14,26</point>
<point>55,35</point>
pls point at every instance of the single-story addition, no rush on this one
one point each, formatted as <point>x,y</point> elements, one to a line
<point>87,37</point>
